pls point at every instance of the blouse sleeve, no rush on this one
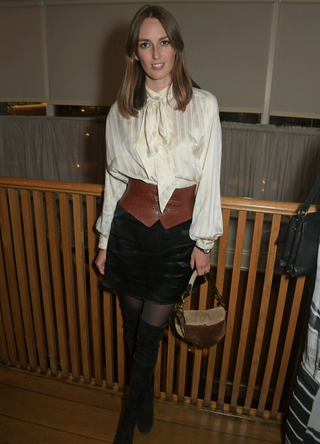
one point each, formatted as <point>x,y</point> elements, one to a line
<point>114,188</point>
<point>207,223</point>
<point>113,191</point>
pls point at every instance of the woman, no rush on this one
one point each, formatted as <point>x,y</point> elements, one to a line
<point>162,211</point>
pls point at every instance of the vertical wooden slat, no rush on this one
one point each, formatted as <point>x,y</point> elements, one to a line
<point>81,286</point>
<point>170,362</point>
<point>57,282</point>
<point>182,371</point>
<point>69,284</point>
<point>221,267</point>
<point>288,345</point>
<point>8,335</point>
<point>223,247</point>
<point>210,376</point>
<point>94,292</point>
<point>254,258</point>
<point>20,261</point>
<point>108,337</point>
<point>196,373</point>
<point>263,310</point>
<point>4,355</point>
<point>45,280</point>
<point>34,284</point>
<point>273,343</point>
<point>120,348</point>
<point>232,306</point>
<point>12,279</point>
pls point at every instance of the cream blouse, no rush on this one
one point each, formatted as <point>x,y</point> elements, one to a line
<point>170,149</point>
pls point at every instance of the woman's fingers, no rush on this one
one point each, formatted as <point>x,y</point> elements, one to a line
<point>101,261</point>
<point>201,261</point>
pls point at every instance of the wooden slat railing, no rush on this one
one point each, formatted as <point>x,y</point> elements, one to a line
<point>55,314</point>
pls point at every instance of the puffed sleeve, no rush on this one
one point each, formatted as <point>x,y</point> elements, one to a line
<point>114,187</point>
<point>113,191</point>
<point>207,223</point>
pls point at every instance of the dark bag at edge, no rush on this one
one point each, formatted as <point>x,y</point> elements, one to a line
<point>301,239</point>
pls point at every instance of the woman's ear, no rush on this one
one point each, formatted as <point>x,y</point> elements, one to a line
<point>135,56</point>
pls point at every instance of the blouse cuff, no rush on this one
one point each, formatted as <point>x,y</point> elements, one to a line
<point>205,244</point>
<point>103,242</point>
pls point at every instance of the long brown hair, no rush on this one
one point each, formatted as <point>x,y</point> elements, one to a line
<point>132,93</point>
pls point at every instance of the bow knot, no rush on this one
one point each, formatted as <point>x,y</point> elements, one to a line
<point>158,126</point>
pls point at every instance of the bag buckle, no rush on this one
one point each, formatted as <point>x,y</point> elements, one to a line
<point>184,295</point>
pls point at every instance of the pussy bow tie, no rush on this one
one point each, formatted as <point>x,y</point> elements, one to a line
<point>155,138</point>
<point>158,128</point>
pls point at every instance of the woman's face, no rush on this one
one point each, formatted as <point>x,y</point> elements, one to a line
<point>155,54</point>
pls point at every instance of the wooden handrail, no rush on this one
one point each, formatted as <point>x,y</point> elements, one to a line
<point>88,189</point>
<point>263,206</point>
<point>227,202</point>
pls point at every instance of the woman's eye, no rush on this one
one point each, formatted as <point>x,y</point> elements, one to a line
<point>144,45</point>
<point>165,42</point>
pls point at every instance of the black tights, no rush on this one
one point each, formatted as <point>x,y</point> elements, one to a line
<point>154,314</point>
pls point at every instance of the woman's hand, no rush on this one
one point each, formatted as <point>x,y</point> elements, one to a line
<point>101,260</point>
<point>200,260</point>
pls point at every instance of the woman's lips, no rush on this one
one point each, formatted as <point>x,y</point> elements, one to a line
<point>157,66</point>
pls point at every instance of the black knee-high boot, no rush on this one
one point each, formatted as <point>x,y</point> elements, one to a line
<point>131,322</point>
<point>144,360</point>
<point>146,417</point>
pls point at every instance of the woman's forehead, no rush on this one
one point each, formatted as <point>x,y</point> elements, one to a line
<point>151,28</point>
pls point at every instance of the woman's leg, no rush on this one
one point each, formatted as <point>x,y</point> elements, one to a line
<point>151,313</point>
<point>156,315</point>
<point>153,321</point>
<point>131,310</point>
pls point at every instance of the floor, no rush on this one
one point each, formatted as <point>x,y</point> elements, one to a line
<point>39,409</point>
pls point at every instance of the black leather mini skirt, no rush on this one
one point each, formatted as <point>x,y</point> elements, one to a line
<point>149,263</point>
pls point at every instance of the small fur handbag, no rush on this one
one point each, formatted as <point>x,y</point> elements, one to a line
<point>301,239</point>
<point>203,328</point>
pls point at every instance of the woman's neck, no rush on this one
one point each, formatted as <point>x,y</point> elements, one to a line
<point>157,85</point>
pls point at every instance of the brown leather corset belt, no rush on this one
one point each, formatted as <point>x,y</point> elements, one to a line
<point>141,200</point>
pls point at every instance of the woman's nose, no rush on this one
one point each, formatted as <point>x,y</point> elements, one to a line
<point>156,54</point>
